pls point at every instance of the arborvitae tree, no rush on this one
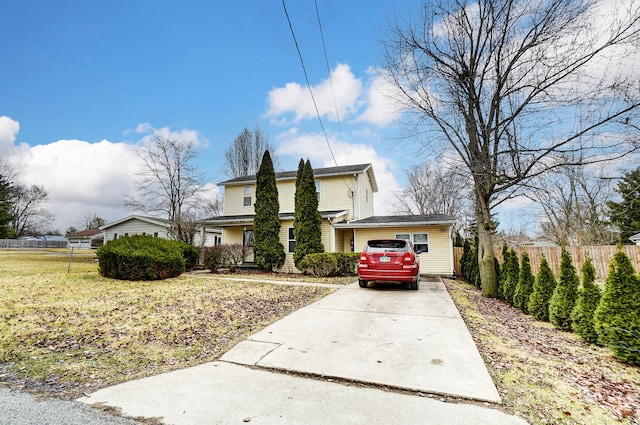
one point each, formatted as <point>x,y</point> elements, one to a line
<point>307,222</point>
<point>582,320</point>
<point>565,295</point>
<point>502,276</point>
<point>543,287</point>
<point>6,203</point>
<point>525,285</point>
<point>268,251</point>
<point>512,273</point>
<point>617,318</point>
<point>474,269</point>
<point>465,260</point>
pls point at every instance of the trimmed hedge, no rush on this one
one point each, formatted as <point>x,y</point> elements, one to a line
<point>331,264</point>
<point>141,258</point>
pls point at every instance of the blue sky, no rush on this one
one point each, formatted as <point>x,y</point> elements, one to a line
<point>84,83</point>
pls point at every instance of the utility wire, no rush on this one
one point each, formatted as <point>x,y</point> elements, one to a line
<point>304,69</point>
<point>326,61</point>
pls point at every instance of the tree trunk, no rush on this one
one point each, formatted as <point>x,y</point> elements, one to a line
<point>486,256</point>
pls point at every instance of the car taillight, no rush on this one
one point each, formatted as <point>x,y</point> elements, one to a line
<point>408,258</point>
<point>363,258</point>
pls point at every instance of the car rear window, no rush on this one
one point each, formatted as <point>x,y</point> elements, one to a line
<point>386,246</point>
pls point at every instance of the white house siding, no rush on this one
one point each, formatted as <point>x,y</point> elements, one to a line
<point>437,261</point>
<point>135,227</point>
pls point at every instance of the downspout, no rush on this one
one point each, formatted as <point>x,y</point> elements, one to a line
<point>357,198</point>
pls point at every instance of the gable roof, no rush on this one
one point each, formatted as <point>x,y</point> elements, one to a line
<point>398,221</point>
<point>342,170</point>
<point>84,234</point>
<point>635,237</point>
<point>150,220</point>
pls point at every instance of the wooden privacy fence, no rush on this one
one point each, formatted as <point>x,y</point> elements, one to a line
<point>600,255</point>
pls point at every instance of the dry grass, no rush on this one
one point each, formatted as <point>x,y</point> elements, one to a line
<point>69,333</point>
<point>544,375</point>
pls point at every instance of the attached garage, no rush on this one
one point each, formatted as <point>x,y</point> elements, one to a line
<point>431,233</point>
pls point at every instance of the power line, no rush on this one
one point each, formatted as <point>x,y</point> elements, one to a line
<point>326,61</point>
<point>306,76</point>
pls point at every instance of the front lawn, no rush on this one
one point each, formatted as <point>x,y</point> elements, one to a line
<point>71,333</point>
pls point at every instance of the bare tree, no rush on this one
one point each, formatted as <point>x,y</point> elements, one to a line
<point>433,189</point>
<point>29,215</point>
<point>573,207</point>
<point>514,86</point>
<point>244,156</point>
<point>169,184</point>
<point>91,221</point>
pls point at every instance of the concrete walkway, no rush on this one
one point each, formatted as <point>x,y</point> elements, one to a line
<point>357,356</point>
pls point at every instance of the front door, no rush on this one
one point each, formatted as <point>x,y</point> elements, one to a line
<point>247,242</point>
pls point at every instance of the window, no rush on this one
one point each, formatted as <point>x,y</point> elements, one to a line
<point>291,241</point>
<point>318,186</point>
<point>405,236</point>
<point>115,236</point>
<point>247,194</point>
<point>366,194</point>
<point>421,242</point>
<point>155,234</point>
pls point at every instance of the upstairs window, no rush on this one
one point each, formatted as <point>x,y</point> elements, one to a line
<point>247,195</point>
<point>318,186</point>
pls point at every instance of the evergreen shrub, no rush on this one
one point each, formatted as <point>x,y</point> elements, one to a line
<point>524,288</point>
<point>617,318</point>
<point>512,273</point>
<point>582,316</point>
<point>140,258</point>
<point>321,264</point>
<point>543,287</point>
<point>565,294</point>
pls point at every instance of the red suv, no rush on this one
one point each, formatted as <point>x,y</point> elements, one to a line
<point>389,260</point>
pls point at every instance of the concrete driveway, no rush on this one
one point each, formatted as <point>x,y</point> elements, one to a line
<point>383,354</point>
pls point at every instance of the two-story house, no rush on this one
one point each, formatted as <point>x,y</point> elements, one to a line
<point>345,201</point>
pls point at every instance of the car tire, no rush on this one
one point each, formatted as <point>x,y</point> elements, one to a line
<point>416,283</point>
<point>362,283</point>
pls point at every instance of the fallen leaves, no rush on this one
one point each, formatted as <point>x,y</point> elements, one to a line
<point>546,375</point>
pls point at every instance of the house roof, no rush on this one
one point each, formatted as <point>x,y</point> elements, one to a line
<point>342,170</point>
<point>398,221</point>
<point>150,220</point>
<point>234,220</point>
<point>85,234</point>
<point>635,237</point>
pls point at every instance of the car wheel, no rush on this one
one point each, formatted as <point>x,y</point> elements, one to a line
<point>416,283</point>
<point>362,283</point>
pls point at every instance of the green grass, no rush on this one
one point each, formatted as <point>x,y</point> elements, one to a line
<point>79,331</point>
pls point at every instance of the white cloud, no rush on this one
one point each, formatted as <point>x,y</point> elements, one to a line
<point>314,147</point>
<point>381,109</point>
<point>152,134</point>
<point>83,177</point>
<point>295,98</point>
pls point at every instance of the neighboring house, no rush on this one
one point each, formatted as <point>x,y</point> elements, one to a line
<point>345,202</point>
<point>156,227</point>
<point>86,239</point>
<point>635,239</point>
